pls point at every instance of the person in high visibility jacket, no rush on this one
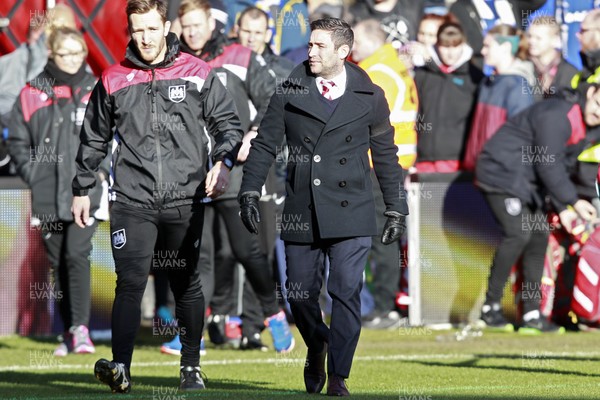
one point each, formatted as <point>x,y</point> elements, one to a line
<point>385,69</point>
<point>589,38</point>
<point>380,60</point>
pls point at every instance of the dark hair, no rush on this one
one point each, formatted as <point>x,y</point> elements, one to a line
<point>507,31</point>
<point>442,19</point>
<point>450,34</point>
<point>253,13</point>
<point>144,6</point>
<point>341,33</point>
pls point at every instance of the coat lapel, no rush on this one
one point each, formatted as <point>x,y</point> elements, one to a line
<point>311,103</point>
<point>350,108</point>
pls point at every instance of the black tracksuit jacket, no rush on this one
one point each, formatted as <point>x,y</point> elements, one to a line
<point>160,118</point>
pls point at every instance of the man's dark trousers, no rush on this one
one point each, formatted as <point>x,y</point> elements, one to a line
<point>172,236</point>
<point>305,264</point>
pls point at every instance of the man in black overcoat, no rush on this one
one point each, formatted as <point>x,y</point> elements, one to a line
<point>331,115</point>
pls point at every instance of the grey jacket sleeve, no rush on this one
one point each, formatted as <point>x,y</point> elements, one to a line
<point>17,68</point>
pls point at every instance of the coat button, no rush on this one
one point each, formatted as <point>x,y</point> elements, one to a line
<point>343,161</point>
<point>342,184</point>
<point>344,203</point>
<point>47,140</point>
<point>317,182</point>
<point>348,138</point>
<point>317,158</point>
<point>306,139</point>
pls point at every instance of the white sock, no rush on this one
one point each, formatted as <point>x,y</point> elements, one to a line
<point>535,314</point>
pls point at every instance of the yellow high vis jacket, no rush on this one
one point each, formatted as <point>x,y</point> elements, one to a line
<point>388,72</point>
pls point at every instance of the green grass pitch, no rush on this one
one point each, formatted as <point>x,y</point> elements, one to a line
<point>402,364</point>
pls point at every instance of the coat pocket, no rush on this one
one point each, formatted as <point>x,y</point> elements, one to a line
<point>290,184</point>
<point>359,173</point>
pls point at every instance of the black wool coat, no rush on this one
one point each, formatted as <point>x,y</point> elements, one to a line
<point>329,192</point>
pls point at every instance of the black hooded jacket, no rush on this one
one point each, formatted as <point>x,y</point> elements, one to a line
<point>44,139</point>
<point>161,117</point>
<point>535,152</point>
<point>446,104</point>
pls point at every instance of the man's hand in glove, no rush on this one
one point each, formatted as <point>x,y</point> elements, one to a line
<point>249,210</point>
<point>394,227</point>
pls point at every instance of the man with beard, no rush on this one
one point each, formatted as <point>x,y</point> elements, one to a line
<point>330,114</point>
<point>162,108</point>
<point>246,76</point>
<point>589,39</point>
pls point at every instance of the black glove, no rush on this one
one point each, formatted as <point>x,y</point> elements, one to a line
<point>249,211</point>
<point>394,227</point>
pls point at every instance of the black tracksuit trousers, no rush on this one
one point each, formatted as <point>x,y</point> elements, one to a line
<point>69,247</point>
<point>524,235</point>
<point>167,239</point>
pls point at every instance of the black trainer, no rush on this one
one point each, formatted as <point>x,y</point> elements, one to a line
<point>114,374</point>
<point>253,342</point>
<point>191,379</point>
<point>216,328</point>
<point>494,319</point>
<point>537,326</point>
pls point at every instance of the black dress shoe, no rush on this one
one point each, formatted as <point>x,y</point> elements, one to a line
<point>336,386</point>
<point>314,371</point>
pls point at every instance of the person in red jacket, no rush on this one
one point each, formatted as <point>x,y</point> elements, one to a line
<point>505,93</point>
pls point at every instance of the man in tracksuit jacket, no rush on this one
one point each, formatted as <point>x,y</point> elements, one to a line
<point>159,106</point>
<point>528,159</point>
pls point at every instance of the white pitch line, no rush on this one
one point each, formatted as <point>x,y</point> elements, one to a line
<point>56,363</point>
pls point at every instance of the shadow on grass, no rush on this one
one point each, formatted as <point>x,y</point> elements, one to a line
<point>542,364</point>
<point>539,355</point>
<point>58,385</point>
<point>5,345</point>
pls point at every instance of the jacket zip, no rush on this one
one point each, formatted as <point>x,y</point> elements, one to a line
<point>160,199</point>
